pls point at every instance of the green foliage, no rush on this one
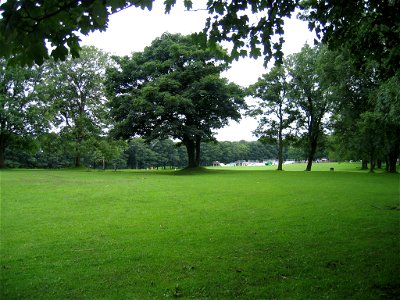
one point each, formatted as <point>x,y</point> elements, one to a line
<point>230,21</point>
<point>369,29</point>
<point>26,26</point>
<point>218,234</point>
<point>276,111</point>
<point>173,89</point>
<point>22,113</point>
<point>310,95</point>
<point>76,92</point>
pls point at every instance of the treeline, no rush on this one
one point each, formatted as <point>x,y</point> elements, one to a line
<point>51,151</point>
<point>90,111</point>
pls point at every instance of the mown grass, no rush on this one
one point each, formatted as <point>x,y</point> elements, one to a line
<point>217,234</point>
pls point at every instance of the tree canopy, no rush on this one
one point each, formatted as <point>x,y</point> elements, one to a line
<point>310,95</point>
<point>369,29</point>
<point>27,25</point>
<point>173,89</point>
<point>22,113</point>
<point>276,111</point>
<point>76,92</point>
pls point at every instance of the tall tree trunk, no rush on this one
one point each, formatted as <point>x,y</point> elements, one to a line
<point>391,168</point>
<point>2,150</point>
<point>280,147</point>
<point>280,139</point>
<point>198,141</point>
<point>364,164</point>
<point>311,152</point>
<point>77,162</point>
<point>372,164</point>
<point>191,152</point>
<point>394,153</point>
<point>77,159</point>
<point>379,164</point>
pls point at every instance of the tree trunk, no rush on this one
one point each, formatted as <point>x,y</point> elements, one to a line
<point>394,153</point>
<point>198,141</point>
<point>372,164</point>
<point>2,151</point>
<point>391,168</point>
<point>311,153</point>
<point>364,164</point>
<point>379,164</point>
<point>77,159</point>
<point>191,152</point>
<point>280,144</point>
<point>280,155</point>
<point>78,152</point>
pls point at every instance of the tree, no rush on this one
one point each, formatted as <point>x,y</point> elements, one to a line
<point>140,155</point>
<point>370,32</point>
<point>370,29</point>
<point>370,137</point>
<point>51,152</point>
<point>387,105</point>
<point>106,151</point>
<point>27,25</point>
<point>351,88</point>
<point>310,95</point>
<point>173,89</point>
<point>275,108</point>
<point>166,150</point>
<point>75,89</point>
<point>22,114</point>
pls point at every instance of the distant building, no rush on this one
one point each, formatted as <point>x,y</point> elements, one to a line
<point>216,164</point>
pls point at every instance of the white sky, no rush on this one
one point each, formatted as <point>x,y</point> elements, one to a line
<point>133,29</point>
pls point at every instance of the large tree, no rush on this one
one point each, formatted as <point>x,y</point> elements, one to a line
<point>370,32</point>
<point>22,113</point>
<point>173,89</point>
<point>310,94</point>
<point>76,91</point>
<point>386,101</point>
<point>274,108</point>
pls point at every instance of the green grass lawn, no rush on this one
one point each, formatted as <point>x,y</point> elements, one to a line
<point>246,233</point>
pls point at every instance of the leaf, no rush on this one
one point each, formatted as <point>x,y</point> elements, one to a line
<point>117,5</point>
<point>60,52</point>
<point>188,4</point>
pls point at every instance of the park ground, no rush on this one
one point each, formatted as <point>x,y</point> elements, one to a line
<point>220,233</point>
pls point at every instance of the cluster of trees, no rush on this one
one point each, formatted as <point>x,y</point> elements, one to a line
<point>49,151</point>
<point>173,89</point>
<point>80,104</point>
<point>318,97</point>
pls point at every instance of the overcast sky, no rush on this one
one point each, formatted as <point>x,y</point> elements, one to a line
<point>133,29</point>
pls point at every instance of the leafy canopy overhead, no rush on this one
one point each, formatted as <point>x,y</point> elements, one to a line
<point>370,29</point>
<point>27,25</point>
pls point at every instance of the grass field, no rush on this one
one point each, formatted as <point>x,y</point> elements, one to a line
<point>218,234</point>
